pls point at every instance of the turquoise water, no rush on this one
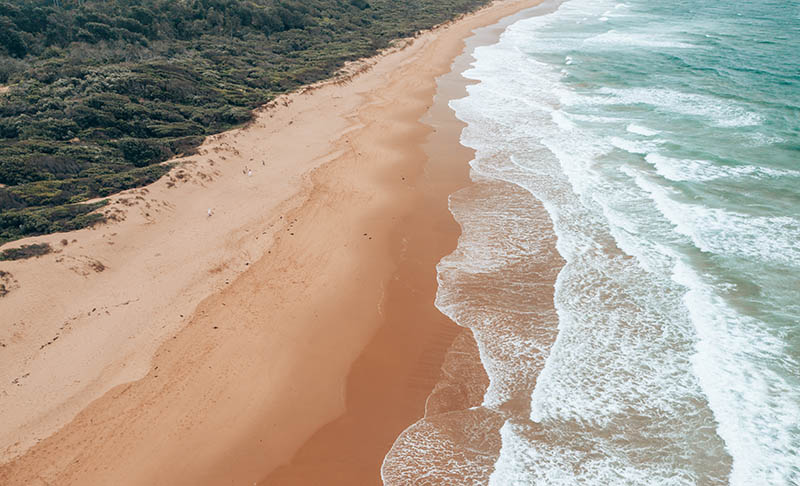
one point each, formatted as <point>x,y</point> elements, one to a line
<point>663,139</point>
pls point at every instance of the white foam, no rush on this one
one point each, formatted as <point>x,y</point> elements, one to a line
<point>526,461</point>
<point>433,449</point>
<point>725,232</point>
<point>702,170</point>
<point>757,409</point>
<point>562,120</point>
<point>721,112</point>
<point>683,169</point>
<point>621,380</point>
<point>759,139</point>
<point>574,389</point>
<point>614,39</point>
<point>641,130</point>
<point>632,146</point>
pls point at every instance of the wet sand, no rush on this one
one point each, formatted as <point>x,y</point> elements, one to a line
<point>294,326</point>
<point>391,383</point>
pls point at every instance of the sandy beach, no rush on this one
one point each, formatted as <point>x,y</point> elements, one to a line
<point>263,314</point>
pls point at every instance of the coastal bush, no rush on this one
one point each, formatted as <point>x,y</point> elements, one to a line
<point>25,251</point>
<point>15,223</point>
<point>103,91</point>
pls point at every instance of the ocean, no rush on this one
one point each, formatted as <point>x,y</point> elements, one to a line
<point>629,268</point>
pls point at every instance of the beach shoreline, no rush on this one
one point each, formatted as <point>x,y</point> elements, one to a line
<point>331,236</point>
<point>411,348</point>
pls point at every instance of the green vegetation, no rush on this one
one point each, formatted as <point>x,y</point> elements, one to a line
<point>25,251</point>
<point>103,91</point>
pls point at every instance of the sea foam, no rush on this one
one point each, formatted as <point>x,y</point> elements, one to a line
<point>670,356</point>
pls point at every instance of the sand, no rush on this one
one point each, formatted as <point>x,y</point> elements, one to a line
<point>174,347</point>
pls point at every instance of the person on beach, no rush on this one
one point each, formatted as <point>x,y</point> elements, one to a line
<point>210,212</point>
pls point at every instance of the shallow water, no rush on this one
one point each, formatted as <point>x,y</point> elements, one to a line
<point>657,148</point>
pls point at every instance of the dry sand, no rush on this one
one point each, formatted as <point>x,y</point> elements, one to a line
<point>173,347</point>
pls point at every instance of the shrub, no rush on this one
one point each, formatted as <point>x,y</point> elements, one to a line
<point>26,251</point>
<point>105,90</point>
